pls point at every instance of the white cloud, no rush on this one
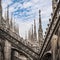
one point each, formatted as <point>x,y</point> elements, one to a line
<point>24,25</point>
<point>27,4</point>
<point>35,1</point>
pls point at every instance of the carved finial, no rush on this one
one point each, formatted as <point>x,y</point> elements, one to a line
<point>34,26</point>
<point>11,24</point>
<point>14,25</point>
<point>39,12</point>
<point>32,32</point>
<point>39,15</point>
<point>35,34</point>
<point>40,31</point>
<point>7,20</point>
<point>17,29</point>
<point>8,12</point>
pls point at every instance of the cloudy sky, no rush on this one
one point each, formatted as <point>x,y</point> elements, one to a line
<point>25,11</point>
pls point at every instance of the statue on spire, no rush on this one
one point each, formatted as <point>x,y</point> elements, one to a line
<point>11,24</point>
<point>0,12</point>
<point>7,20</point>
<point>35,34</point>
<point>40,18</point>
<point>32,33</point>
<point>8,12</point>
<point>40,31</point>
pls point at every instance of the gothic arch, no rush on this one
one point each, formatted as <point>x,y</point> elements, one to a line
<point>22,52</point>
<point>47,56</point>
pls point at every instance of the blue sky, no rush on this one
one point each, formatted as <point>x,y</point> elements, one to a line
<point>25,11</point>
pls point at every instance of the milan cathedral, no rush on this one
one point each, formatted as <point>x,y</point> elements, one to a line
<point>35,46</point>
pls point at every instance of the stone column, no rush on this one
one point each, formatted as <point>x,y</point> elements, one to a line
<point>1,50</point>
<point>59,43</point>
<point>7,50</point>
<point>1,53</point>
<point>54,46</point>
